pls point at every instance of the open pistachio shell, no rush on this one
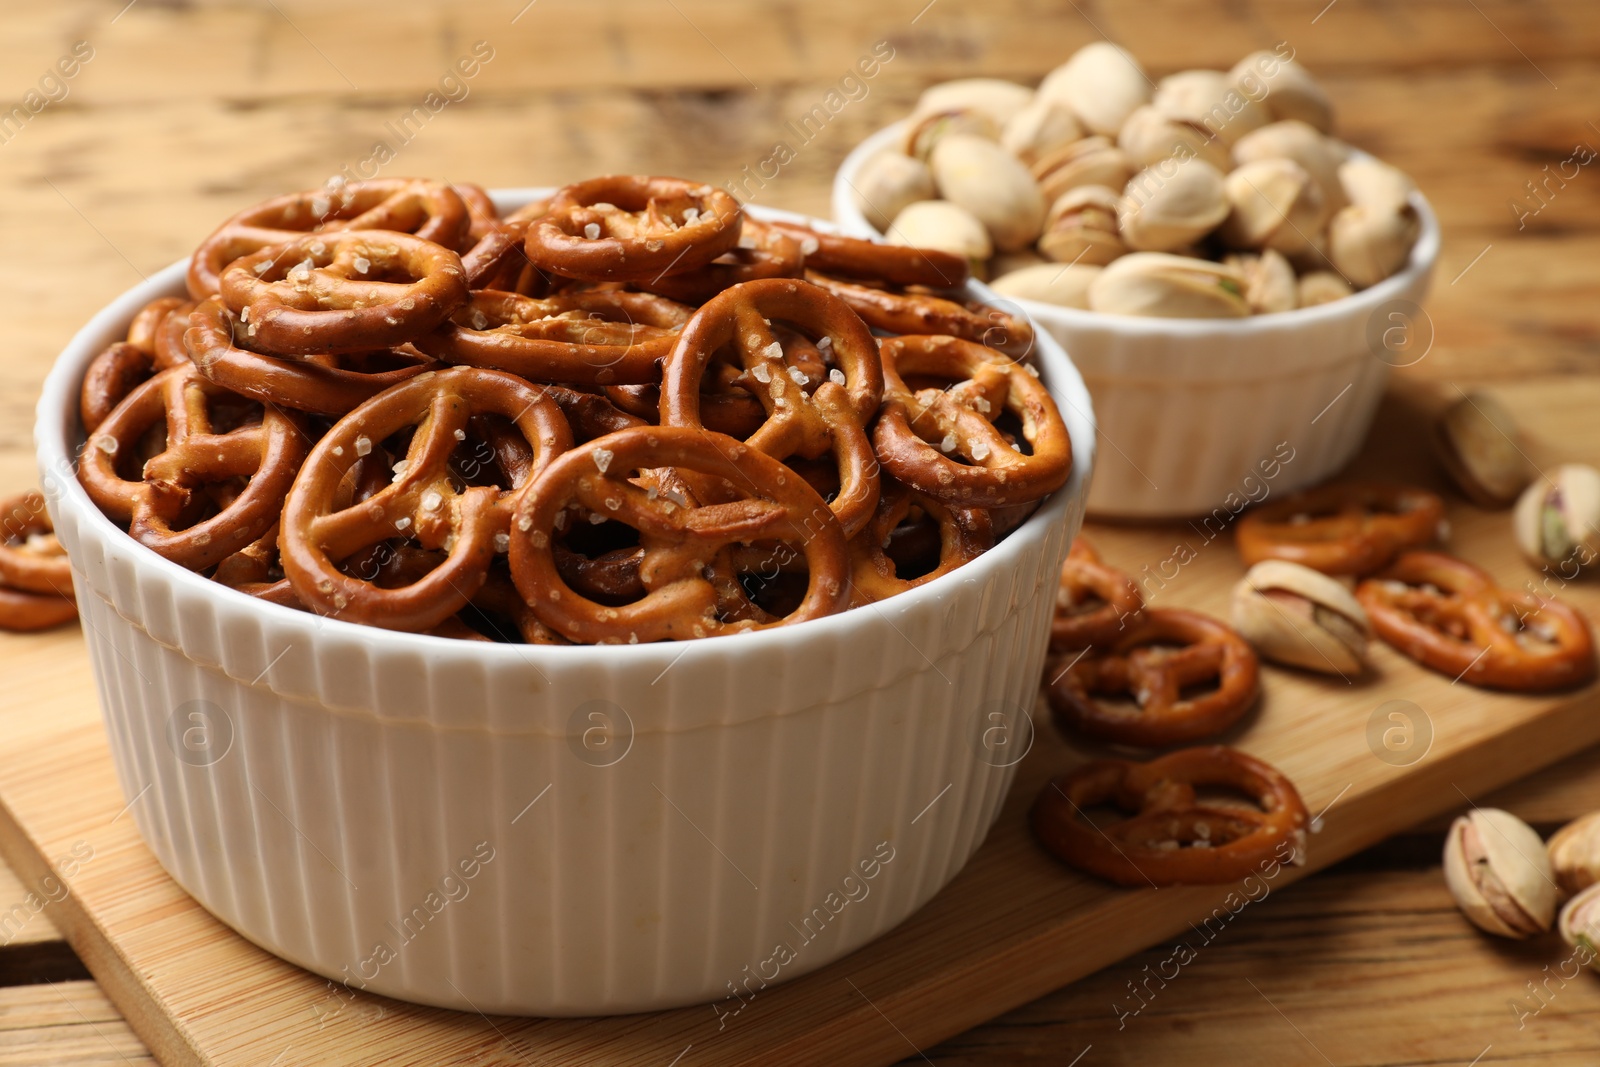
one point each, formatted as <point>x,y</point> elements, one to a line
<point>1063,284</point>
<point>888,182</point>
<point>1172,205</point>
<point>1101,83</point>
<point>1477,441</point>
<point>1082,227</point>
<point>1270,284</point>
<point>1375,184</point>
<point>1284,87</point>
<point>1166,286</point>
<point>1557,520</point>
<point>1039,129</point>
<point>1498,872</point>
<point>1301,617</point>
<point>1369,243</point>
<point>1090,161</point>
<point>1275,204</point>
<point>997,98</point>
<point>993,185</point>
<point>1320,155</point>
<point>924,131</point>
<point>1210,100</point>
<point>1580,924</point>
<point>1575,854</point>
<point>942,225</point>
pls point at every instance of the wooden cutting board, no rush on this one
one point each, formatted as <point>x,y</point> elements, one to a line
<point>1012,926</point>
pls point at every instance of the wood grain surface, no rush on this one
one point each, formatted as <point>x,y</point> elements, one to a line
<point>190,110</point>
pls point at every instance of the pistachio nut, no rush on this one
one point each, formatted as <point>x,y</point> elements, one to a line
<point>1319,154</point>
<point>1039,129</point>
<point>1275,204</point>
<point>1374,183</point>
<point>1575,854</point>
<point>1063,284</point>
<point>888,182</point>
<point>924,132</point>
<point>1557,520</point>
<point>1580,925</point>
<point>1322,287</point>
<point>1269,281</point>
<point>1285,87</point>
<point>1210,100</point>
<point>1166,286</point>
<point>1151,135</point>
<point>1005,262</point>
<point>1498,872</point>
<point>1101,83</point>
<point>1301,617</point>
<point>1476,440</point>
<point>1367,244</point>
<point>1090,161</point>
<point>942,225</point>
<point>996,98</point>
<point>991,183</point>
<point>1082,227</point>
<point>1172,205</point>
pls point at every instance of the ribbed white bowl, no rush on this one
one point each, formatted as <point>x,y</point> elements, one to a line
<point>623,828</point>
<point>1189,409</point>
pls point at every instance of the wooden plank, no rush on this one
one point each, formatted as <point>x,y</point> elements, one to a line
<point>1011,927</point>
<point>65,1024</point>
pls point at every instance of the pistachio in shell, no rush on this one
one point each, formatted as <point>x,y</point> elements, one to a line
<point>996,98</point>
<point>1274,204</point>
<point>1557,520</point>
<point>1159,285</point>
<point>1580,925</point>
<point>1039,129</point>
<point>1172,205</point>
<point>1477,442</point>
<point>1374,183</point>
<point>888,182</point>
<point>1151,135</point>
<point>1575,854</point>
<point>1269,281</point>
<point>1499,874</point>
<point>993,185</point>
<point>1285,88</point>
<point>1322,287</point>
<point>1005,262</point>
<point>1367,244</point>
<point>1082,227</point>
<point>1090,161</point>
<point>1210,100</point>
<point>1101,83</point>
<point>1301,617</point>
<point>925,131</point>
<point>1062,284</point>
<point>1319,154</point>
<point>942,225</point>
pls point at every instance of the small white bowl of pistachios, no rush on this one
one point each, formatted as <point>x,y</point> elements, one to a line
<point>1232,281</point>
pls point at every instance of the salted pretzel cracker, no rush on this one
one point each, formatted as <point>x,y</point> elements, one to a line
<point>343,292</point>
<point>213,440</point>
<point>1171,836</point>
<point>430,210</point>
<point>1160,656</point>
<point>320,384</point>
<point>602,337</point>
<point>1095,604</point>
<point>962,535</point>
<point>426,503</point>
<point>629,228</point>
<point>151,346</point>
<point>1345,528</point>
<point>920,433</point>
<point>830,417</point>
<point>833,254</point>
<point>255,571</point>
<point>31,559</point>
<point>679,540</point>
<point>895,310</point>
<point>764,251</point>
<point>1450,616</point>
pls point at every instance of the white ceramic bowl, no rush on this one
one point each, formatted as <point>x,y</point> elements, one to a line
<point>1194,414</point>
<point>556,831</point>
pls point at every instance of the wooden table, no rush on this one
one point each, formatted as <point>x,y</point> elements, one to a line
<point>183,113</point>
